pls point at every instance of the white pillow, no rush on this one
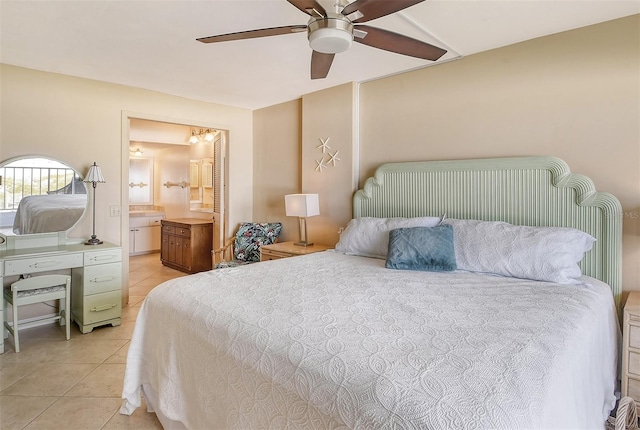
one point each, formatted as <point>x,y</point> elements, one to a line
<point>540,253</point>
<point>369,237</point>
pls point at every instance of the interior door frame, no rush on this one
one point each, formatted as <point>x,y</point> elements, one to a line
<point>126,116</point>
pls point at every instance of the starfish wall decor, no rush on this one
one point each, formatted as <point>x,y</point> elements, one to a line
<point>331,159</point>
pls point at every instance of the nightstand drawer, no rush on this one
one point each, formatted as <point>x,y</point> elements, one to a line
<point>633,389</point>
<point>634,363</point>
<point>273,255</point>
<point>102,278</point>
<point>634,336</point>
<point>102,307</point>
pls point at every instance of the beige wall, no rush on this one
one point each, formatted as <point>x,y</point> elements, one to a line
<point>286,140</point>
<point>158,132</point>
<point>80,121</point>
<point>172,165</point>
<point>276,165</point>
<point>329,114</point>
<point>575,95</point>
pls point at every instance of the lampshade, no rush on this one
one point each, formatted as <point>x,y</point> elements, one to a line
<point>302,205</point>
<point>94,174</point>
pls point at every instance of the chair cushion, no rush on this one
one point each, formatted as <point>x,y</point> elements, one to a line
<point>45,290</point>
<point>251,236</point>
<point>234,263</point>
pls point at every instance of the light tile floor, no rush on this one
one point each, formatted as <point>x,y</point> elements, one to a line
<point>76,385</point>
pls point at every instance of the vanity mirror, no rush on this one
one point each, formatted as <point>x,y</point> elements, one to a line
<point>39,195</point>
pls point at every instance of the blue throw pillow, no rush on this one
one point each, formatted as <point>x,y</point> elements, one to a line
<point>422,248</point>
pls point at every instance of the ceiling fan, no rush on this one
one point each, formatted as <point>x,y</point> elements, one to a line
<point>332,32</point>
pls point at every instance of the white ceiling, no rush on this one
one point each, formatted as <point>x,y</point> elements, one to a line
<point>151,44</point>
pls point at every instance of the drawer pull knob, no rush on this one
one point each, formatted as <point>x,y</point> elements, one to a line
<point>103,307</point>
<point>44,264</point>
<point>103,257</point>
<point>106,278</point>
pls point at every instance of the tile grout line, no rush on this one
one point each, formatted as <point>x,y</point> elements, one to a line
<point>103,361</point>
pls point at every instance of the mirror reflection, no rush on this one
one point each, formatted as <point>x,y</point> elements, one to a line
<point>39,195</point>
<point>141,181</point>
<point>201,185</point>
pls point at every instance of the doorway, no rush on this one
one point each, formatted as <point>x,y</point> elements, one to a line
<point>189,171</point>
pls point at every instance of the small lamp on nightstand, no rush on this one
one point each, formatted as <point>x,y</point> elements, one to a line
<point>302,206</point>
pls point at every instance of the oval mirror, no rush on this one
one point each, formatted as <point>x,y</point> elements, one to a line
<point>39,195</point>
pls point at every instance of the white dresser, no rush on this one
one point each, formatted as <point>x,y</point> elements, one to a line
<point>96,277</point>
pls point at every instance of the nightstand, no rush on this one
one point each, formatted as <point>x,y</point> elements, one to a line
<point>631,347</point>
<point>288,249</point>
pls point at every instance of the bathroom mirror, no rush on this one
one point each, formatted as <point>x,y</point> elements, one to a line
<point>141,181</point>
<point>39,195</point>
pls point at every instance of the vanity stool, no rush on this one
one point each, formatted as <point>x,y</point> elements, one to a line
<point>38,289</point>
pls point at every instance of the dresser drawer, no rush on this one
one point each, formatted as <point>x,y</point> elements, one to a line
<point>633,389</point>
<point>101,257</point>
<point>102,278</point>
<point>634,363</point>
<point>42,264</point>
<point>101,307</point>
<point>183,231</point>
<point>634,336</point>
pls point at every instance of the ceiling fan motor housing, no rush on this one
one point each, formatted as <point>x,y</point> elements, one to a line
<point>330,35</point>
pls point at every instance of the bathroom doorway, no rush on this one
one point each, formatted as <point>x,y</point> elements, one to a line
<point>186,177</point>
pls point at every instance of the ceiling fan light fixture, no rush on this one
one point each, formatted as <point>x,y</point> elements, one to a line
<point>330,36</point>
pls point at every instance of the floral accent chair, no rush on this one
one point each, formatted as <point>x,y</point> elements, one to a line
<point>244,248</point>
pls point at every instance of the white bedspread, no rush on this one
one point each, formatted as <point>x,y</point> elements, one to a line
<point>48,213</point>
<point>329,341</point>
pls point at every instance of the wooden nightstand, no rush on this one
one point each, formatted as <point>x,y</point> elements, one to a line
<point>288,249</point>
<point>631,347</point>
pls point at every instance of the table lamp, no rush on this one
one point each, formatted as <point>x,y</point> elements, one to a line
<point>93,177</point>
<point>302,206</point>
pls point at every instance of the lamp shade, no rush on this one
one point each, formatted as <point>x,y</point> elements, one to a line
<point>302,205</point>
<point>94,174</point>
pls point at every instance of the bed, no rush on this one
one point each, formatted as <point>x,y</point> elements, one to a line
<point>338,340</point>
<point>48,213</point>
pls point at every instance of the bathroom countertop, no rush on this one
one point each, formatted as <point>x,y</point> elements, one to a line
<point>146,213</point>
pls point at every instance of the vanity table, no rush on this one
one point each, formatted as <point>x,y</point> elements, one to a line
<point>33,240</point>
<point>96,275</point>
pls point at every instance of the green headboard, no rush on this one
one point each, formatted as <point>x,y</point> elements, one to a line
<point>535,191</point>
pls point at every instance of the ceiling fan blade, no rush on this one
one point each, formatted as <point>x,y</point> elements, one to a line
<point>394,42</point>
<point>311,7</point>
<point>320,64</point>
<point>264,32</point>
<point>372,9</point>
